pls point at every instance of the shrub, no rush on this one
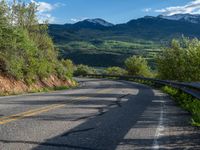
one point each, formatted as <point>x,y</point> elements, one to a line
<point>15,67</point>
<point>3,64</point>
<point>68,64</point>
<point>83,70</point>
<point>115,71</point>
<point>137,66</point>
<point>60,71</point>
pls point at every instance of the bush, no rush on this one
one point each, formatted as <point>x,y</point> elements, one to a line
<point>15,67</point>
<point>137,66</point>
<point>115,71</point>
<point>60,71</point>
<point>83,70</point>
<point>3,64</point>
<point>68,64</point>
<point>180,61</point>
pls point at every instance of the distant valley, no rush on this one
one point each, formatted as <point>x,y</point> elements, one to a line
<point>92,40</point>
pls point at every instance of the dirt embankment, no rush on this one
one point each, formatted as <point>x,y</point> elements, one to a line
<point>9,85</point>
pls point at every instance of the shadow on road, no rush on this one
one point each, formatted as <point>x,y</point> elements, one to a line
<point>108,128</point>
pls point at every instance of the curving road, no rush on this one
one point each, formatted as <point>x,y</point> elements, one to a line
<point>99,115</point>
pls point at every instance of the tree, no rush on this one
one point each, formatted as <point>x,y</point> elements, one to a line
<point>4,13</point>
<point>180,61</point>
<point>137,66</point>
<point>24,15</point>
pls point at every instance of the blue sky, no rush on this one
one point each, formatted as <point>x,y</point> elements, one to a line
<point>115,11</point>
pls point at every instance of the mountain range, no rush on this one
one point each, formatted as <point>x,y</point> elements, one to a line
<point>148,28</point>
<point>183,17</point>
<point>89,38</point>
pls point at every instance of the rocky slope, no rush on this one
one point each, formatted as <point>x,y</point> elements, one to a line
<point>10,85</point>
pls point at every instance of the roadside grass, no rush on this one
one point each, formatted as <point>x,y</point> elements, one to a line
<point>187,102</point>
<point>49,89</point>
<point>61,88</point>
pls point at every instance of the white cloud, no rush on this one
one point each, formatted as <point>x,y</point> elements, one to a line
<point>59,5</point>
<point>44,10</point>
<point>147,9</point>
<point>47,7</point>
<point>192,7</point>
<point>44,16</point>
<point>44,7</point>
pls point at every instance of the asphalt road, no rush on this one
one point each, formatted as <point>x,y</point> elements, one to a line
<point>99,115</point>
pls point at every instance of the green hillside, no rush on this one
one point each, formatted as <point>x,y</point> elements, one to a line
<point>106,53</point>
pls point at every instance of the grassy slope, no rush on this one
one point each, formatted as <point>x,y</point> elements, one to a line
<point>187,102</point>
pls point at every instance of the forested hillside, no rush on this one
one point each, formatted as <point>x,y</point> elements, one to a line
<point>112,52</point>
<point>27,52</point>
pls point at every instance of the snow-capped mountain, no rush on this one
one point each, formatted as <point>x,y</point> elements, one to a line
<point>93,23</point>
<point>99,22</point>
<point>192,18</point>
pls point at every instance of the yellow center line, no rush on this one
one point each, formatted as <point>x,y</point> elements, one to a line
<point>40,110</point>
<point>33,113</point>
<point>23,113</point>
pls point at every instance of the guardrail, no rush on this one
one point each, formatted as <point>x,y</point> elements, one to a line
<point>187,88</point>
